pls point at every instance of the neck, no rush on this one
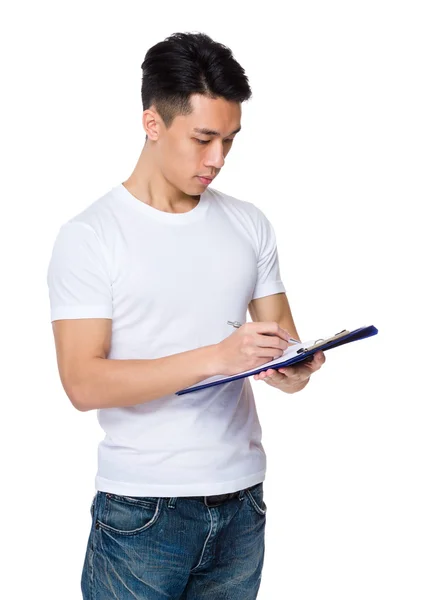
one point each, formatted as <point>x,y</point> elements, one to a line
<point>148,184</point>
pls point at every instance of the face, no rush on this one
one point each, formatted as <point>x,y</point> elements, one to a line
<point>188,149</point>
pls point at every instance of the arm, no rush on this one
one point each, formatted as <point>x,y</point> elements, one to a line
<point>274,308</point>
<point>92,381</point>
<point>80,289</point>
<point>293,378</point>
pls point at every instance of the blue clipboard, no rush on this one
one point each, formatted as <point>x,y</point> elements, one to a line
<point>302,354</point>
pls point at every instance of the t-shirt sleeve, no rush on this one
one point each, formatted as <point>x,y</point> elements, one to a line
<point>78,276</point>
<point>268,279</point>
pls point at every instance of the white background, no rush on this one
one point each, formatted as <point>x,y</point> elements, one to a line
<point>335,147</point>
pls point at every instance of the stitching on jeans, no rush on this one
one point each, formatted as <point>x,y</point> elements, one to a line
<point>104,525</point>
<point>205,543</point>
<point>254,502</point>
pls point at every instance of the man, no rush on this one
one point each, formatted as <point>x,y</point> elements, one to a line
<point>142,284</point>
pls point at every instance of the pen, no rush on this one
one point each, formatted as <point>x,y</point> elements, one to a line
<point>237,325</point>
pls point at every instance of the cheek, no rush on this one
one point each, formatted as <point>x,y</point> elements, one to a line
<point>183,160</point>
<point>180,159</point>
<point>186,155</point>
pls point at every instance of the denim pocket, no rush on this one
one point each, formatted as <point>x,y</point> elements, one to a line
<point>129,515</point>
<point>256,498</point>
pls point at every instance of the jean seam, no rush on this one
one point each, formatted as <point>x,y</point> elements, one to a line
<point>157,513</point>
<point>260,511</point>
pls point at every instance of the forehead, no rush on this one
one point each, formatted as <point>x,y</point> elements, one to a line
<point>216,114</point>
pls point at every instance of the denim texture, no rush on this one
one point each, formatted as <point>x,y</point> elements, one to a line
<point>154,548</point>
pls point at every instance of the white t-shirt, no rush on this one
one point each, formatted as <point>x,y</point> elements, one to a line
<point>170,282</point>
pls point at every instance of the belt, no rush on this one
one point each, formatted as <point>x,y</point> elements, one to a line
<point>212,501</point>
<point>218,499</point>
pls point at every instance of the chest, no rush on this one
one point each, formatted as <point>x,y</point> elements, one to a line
<point>187,267</point>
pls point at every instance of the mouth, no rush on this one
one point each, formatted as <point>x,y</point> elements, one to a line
<point>205,180</point>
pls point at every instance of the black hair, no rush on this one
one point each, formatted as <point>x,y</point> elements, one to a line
<point>185,64</point>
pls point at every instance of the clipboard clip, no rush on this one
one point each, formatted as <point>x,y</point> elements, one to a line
<point>318,342</point>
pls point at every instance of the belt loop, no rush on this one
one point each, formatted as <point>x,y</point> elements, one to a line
<point>241,495</point>
<point>172,502</point>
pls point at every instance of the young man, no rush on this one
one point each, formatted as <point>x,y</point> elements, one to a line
<point>142,285</point>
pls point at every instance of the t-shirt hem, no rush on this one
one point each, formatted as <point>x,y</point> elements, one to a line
<point>177,490</point>
<point>267,289</point>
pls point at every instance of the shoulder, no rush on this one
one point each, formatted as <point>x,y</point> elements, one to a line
<point>94,221</point>
<point>243,207</point>
<point>249,215</point>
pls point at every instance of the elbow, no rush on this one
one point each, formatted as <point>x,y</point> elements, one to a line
<point>81,406</point>
<point>78,386</point>
<point>78,402</point>
<point>78,398</point>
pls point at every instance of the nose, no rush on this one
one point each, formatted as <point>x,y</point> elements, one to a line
<point>215,157</point>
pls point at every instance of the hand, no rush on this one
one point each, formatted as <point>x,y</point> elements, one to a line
<point>251,345</point>
<point>289,379</point>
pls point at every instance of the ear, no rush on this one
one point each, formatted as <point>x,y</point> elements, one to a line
<point>151,123</point>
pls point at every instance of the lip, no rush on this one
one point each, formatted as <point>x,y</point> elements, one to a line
<point>205,180</point>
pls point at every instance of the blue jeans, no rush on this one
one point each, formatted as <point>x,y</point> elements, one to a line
<point>185,548</point>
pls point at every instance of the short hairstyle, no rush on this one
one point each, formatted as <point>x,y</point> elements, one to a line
<point>185,64</point>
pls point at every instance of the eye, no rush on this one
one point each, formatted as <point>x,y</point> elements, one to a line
<point>208,141</point>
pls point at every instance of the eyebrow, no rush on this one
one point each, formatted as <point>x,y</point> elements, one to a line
<point>205,131</point>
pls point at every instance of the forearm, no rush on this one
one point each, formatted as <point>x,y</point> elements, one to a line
<point>108,383</point>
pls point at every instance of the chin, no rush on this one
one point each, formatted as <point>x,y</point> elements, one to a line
<point>196,188</point>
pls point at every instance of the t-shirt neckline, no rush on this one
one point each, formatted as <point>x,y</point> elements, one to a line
<point>167,217</point>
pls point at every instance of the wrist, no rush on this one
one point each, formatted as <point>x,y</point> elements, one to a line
<point>212,360</point>
<point>297,387</point>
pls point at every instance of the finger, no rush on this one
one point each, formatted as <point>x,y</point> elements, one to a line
<point>275,376</point>
<point>271,341</point>
<point>321,357</point>
<point>313,362</point>
<point>264,374</point>
<point>272,375</point>
<point>261,375</point>
<point>267,353</point>
<point>271,328</point>
<point>318,360</point>
<point>296,374</point>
